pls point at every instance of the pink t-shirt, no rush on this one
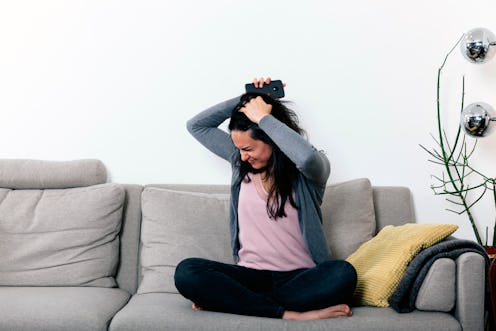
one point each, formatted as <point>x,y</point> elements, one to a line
<point>265,243</point>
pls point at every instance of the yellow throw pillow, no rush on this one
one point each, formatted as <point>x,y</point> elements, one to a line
<point>381,262</point>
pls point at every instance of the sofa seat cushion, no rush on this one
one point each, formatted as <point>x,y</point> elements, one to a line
<point>177,225</point>
<point>348,216</point>
<point>381,262</point>
<point>60,237</point>
<point>59,308</point>
<point>169,311</point>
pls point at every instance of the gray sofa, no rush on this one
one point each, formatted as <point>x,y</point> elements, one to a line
<point>78,253</point>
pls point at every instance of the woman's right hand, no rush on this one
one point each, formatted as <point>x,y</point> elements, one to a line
<point>259,82</point>
<point>256,109</point>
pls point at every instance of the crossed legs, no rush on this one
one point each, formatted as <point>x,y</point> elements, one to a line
<point>315,293</point>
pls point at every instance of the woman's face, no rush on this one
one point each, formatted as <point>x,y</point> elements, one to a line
<point>253,151</point>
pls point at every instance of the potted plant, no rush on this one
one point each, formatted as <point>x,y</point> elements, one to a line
<point>462,184</point>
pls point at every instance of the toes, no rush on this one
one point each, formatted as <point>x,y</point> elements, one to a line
<point>194,306</point>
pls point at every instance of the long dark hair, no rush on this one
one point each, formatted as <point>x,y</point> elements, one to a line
<point>282,170</point>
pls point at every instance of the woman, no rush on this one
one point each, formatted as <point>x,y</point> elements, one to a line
<point>282,267</point>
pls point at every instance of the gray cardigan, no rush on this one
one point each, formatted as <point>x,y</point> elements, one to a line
<point>313,165</point>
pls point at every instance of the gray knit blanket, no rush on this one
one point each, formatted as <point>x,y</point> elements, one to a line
<point>405,295</point>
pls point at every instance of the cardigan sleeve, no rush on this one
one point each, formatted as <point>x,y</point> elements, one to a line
<point>204,127</point>
<point>312,163</point>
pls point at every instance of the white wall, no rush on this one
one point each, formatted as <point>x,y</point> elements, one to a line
<point>116,80</point>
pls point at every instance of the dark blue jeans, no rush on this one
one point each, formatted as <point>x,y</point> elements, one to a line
<point>235,289</point>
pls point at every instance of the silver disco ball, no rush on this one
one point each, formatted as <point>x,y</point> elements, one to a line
<point>478,119</point>
<point>478,45</point>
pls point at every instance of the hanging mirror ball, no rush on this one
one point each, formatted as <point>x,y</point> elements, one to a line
<point>478,119</point>
<point>477,45</point>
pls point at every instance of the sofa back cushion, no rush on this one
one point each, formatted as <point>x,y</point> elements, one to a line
<point>177,225</point>
<point>60,237</point>
<point>393,206</point>
<point>181,224</point>
<point>42,174</point>
<point>348,216</point>
<point>127,271</point>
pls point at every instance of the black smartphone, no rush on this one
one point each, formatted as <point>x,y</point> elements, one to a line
<point>275,89</point>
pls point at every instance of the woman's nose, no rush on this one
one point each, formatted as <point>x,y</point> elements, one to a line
<point>244,156</point>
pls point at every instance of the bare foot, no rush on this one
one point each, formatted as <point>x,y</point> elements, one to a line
<point>194,306</point>
<point>329,312</point>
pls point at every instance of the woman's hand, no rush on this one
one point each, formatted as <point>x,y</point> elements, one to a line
<point>256,109</point>
<point>259,83</point>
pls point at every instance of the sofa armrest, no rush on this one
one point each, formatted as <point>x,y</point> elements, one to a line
<point>470,291</point>
<point>438,290</point>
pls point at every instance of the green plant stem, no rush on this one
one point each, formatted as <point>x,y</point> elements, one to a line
<point>494,196</point>
<point>447,159</point>
<point>457,175</point>
<point>487,235</point>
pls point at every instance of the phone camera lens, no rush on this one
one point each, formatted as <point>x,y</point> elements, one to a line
<point>275,88</point>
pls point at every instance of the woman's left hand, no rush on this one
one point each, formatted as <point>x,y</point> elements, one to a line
<point>256,109</point>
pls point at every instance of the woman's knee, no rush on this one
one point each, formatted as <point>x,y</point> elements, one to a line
<point>185,273</point>
<point>344,271</point>
<point>351,274</point>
